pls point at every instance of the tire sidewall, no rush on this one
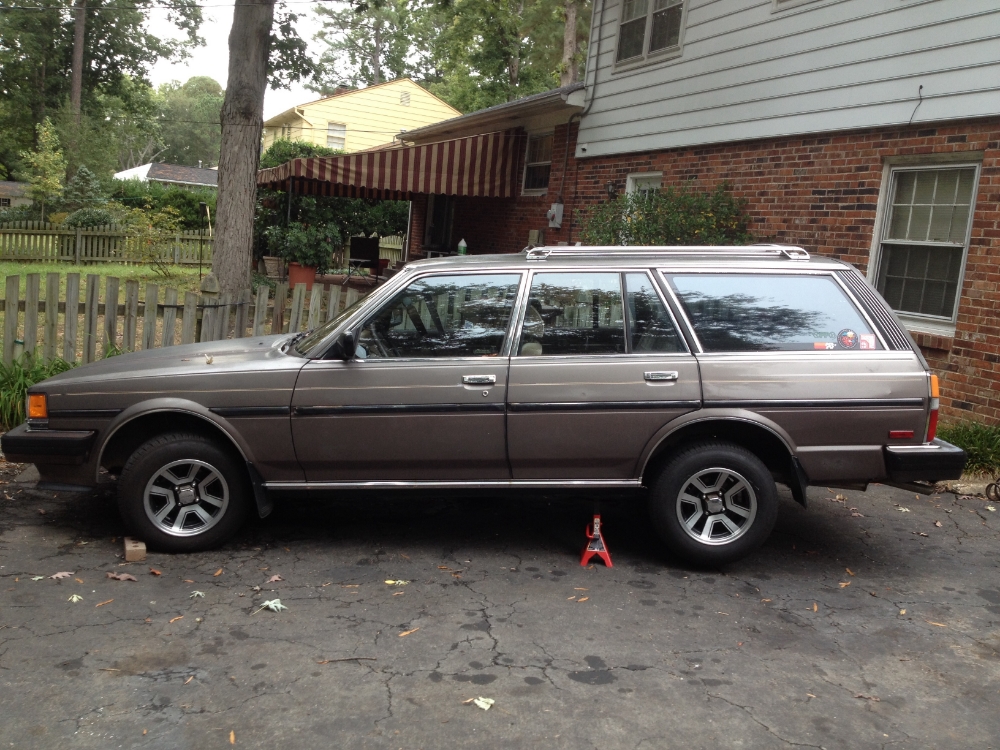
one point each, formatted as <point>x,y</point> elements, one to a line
<point>153,456</point>
<point>663,502</point>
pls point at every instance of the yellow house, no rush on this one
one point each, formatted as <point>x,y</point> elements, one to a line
<point>357,119</point>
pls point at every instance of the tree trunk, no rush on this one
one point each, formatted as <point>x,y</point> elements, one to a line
<point>76,83</point>
<point>242,119</point>
<point>377,52</point>
<point>568,74</point>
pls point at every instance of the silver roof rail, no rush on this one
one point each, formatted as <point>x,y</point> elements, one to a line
<point>786,251</point>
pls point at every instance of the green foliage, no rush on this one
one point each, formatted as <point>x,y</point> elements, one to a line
<point>282,150</point>
<point>46,166</point>
<point>981,443</point>
<point>154,196</point>
<point>307,245</point>
<point>18,213</point>
<point>289,60</point>
<point>92,216</point>
<point>16,378</point>
<point>668,217</point>
<point>189,121</point>
<point>83,190</point>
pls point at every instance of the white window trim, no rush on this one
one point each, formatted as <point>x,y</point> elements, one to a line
<point>913,321</point>
<point>648,58</point>
<point>633,180</point>
<point>524,171</point>
<point>339,125</point>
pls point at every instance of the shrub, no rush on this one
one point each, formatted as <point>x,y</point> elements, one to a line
<point>307,245</point>
<point>981,443</point>
<point>91,217</point>
<point>16,378</point>
<point>18,213</point>
<point>669,217</point>
<point>151,196</point>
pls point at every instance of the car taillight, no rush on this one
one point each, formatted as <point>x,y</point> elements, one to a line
<point>932,417</point>
<point>38,406</point>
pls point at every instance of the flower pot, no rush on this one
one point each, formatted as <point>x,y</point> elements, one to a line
<point>298,274</point>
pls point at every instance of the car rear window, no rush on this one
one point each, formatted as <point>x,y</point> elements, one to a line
<point>771,312</point>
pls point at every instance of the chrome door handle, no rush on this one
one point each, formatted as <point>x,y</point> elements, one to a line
<point>660,376</point>
<point>479,379</point>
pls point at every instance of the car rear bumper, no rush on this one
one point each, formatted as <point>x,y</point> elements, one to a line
<point>930,462</point>
<point>25,445</point>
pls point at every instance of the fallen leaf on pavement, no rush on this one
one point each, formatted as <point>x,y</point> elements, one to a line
<point>179,617</point>
<point>919,533</point>
<point>483,703</point>
<point>445,567</point>
<point>902,611</point>
<point>938,624</point>
<point>37,578</point>
<point>75,598</point>
<point>849,571</point>
<point>868,698</point>
<point>810,695</point>
<point>391,582</point>
<point>61,574</point>
<point>901,509</point>
<point>570,598</point>
<point>578,588</point>
<point>765,600</point>
<point>188,580</point>
<point>582,599</point>
<point>155,572</point>
<point>408,632</point>
<point>399,593</point>
<point>121,577</point>
<point>844,584</point>
<point>855,514</point>
<point>938,524</point>
<point>217,573</point>
<point>815,607</point>
<point>232,737</point>
<point>197,595</point>
<point>274,605</point>
<point>188,679</point>
<point>78,580</point>
<point>991,509</point>
<point>275,579</point>
<point>348,585</point>
<point>103,603</point>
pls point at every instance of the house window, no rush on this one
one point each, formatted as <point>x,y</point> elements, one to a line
<point>538,163</point>
<point>644,183</point>
<point>649,28</point>
<point>404,98</point>
<point>4,202</point>
<point>336,135</point>
<point>924,240</point>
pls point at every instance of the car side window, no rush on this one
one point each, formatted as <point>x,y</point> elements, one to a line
<point>771,312</point>
<point>573,313</point>
<point>460,315</point>
<point>651,328</point>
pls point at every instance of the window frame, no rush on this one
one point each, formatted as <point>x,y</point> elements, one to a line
<point>622,272</point>
<point>524,172</point>
<point>689,330</point>
<point>932,324</point>
<point>5,202</point>
<point>342,147</point>
<point>647,57</point>
<point>633,183</point>
<point>358,324</point>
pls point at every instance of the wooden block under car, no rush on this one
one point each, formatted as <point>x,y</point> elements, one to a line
<point>135,551</point>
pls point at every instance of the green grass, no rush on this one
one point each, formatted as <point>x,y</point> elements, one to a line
<point>981,443</point>
<point>15,379</point>
<point>182,278</point>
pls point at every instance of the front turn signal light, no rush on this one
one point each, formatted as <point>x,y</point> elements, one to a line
<point>38,406</point>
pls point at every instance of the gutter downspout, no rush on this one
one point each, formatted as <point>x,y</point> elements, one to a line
<point>580,114</point>
<point>409,230</point>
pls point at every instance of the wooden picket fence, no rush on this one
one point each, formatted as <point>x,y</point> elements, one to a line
<point>41,241</point>
<point>83,331</point>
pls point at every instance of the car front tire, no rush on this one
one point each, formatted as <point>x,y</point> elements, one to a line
<point>181,492</point>
<point>713,503</point>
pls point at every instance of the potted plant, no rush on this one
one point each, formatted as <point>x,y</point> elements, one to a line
<point>307,248</point>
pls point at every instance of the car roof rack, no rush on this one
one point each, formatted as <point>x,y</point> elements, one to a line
<point>565,251</point>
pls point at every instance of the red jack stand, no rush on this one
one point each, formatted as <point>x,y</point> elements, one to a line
<point>596,544</point>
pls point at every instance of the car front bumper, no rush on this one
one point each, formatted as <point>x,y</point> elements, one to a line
<point>930,462</point>
<point>34,446</point>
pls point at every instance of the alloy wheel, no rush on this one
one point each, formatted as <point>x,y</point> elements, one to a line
<point>716,506</point>
<point>185,498</point>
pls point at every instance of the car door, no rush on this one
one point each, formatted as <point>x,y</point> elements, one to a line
<point>423,397</point>
<point>795,349</point>
<point>595,375</point>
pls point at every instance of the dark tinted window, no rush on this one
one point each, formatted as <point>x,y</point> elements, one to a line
<point>574,313</point>
<point>650,326</point>
<point>759,312</point>
<point>442,316</point>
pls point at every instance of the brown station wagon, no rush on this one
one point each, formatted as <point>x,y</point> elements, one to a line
<point>700,376</point>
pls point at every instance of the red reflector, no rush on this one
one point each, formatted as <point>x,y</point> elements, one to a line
<point>900,434</point>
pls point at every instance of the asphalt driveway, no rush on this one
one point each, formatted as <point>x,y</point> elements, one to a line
<point>872,620</point>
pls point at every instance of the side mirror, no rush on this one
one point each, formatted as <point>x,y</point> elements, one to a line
<point>346,344</point>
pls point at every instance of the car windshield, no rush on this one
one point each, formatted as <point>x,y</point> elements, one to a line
<point>314,338</point>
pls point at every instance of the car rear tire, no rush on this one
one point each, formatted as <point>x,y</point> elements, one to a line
<point>181,492</point>
<point>714,503</point>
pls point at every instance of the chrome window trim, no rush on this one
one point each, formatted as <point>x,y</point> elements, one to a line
<point>666,306</point>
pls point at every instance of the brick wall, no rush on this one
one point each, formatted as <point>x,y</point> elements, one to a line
<point>820,192</point>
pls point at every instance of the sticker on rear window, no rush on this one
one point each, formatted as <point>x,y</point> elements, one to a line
<point>868,341</point>
<point>848,339</point>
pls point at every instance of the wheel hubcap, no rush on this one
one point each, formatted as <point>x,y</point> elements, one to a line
<point>716,506</point>
<point>185,498</point>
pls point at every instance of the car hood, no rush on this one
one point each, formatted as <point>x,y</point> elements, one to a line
<point>229,356</point>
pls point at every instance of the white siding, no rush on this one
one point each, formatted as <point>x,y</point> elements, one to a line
<point>750,71</point>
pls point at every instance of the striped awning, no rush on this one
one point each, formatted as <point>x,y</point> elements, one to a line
<point>480,165</point>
